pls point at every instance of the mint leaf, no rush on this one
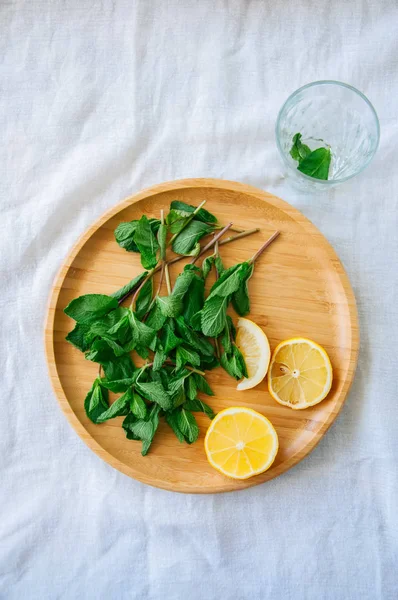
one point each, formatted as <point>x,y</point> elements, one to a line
<point>202,384</point>
<point>230,365</point>
<point>196,405</point>
<point>129,287</point>
<point>116,347</point>
<point>240,298</point>
<point>155,392</point>
<point>190,387</point>
<point>156,319</point>
<point>146,243</point>
<point>127,424</point>
<point>118,385</point>
<point>138,406</point>
<point>228,336</point>
<point>184,281</point>
<point>171,419</point>
<point>96,401</point>
<point>196,321</point>
<point>168,339</point>
<point>119,408</point>
<point>116,325</point>
<point>177,219</point>
<point>179,395</point>
<point>187,241</point>
<point>170,306</point>
<point>218,263</point>
<point>101,327</point>
<point>159,358</point>
<point>100,352</point>
<point>143,429</point>
<point>118,368</point>
<point>186,423</point>
<point>131,333</point>
<point>234,363</point>
<point>230,280</point>
<point>124,235</point>
<point>195,297</point>
<point>207,265</point>
<point>176,387</point>
<point>142,334</point>
<point>125,232</point>
<point>317,164</point>
<point>186,356</point>
<point>78,337</point>
<point>240,360</point>
<point>213,315</point>
<point>87,309</point>
<point>202,215</point>
<point>178,380</point>
<point>299,151</point>
<point>144,299</point>
<point>199,343</point>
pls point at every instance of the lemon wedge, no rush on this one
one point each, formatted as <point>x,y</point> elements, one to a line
<point>300,373</point>
<point>253,344</point>
<point>241,443</point>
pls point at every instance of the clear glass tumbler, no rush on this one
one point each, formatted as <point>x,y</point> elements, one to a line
<point>333,115</point>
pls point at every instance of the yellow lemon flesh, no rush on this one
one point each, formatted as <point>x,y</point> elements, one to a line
<point>241,443</point>
<point>300,373</point>
<point>253,344</point>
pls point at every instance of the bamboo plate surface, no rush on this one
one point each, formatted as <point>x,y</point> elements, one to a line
<point>299,288</point>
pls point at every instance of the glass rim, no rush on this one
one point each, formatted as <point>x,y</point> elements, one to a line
<point>341,84</point>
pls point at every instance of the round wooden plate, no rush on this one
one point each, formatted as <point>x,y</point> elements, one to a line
<point>299,288</point>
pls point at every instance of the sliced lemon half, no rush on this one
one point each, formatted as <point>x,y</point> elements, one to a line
<point>300,373</point>
<point>241,443</point>
<point>253,343</point>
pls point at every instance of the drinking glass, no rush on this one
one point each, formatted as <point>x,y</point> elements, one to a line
<point>333,115</point>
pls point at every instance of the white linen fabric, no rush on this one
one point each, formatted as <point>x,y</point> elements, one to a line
<point>98,100</point>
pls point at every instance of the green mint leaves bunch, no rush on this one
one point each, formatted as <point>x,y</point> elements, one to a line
<point>180,335</point>
<point>314,163</point>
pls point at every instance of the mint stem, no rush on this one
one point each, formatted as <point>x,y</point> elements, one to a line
<point>177,259</point>
<point>217,347</point>
<point>240,235</point>
<point>168,284</point>
<point>236,229</point>
<point>211,243</point>
<point>195,370</point>
<point>263,247</point>
<point>216,252</point>
<point>170,362</point>
<point>160,279</point>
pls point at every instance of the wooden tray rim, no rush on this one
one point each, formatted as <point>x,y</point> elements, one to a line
<point>176,185</point>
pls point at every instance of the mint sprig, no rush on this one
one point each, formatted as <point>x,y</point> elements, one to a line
<point>181,335</point>
<point>314,163</point>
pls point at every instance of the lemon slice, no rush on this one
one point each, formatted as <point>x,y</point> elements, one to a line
<point>300,374</point>
<point>253,343</point>
<point>241,443</point>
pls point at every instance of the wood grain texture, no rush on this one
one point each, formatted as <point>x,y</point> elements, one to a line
<point>299,288</point>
